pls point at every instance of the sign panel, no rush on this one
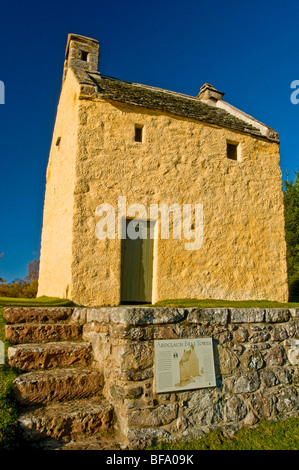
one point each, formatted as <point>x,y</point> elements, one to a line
<point>184,364</point>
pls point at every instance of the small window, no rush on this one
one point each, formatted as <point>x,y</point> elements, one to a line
<point>232,151</point>
<point>138,133</point>
<point>84,55</point>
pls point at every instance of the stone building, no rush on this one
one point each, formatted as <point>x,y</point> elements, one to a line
<point>120,144</point>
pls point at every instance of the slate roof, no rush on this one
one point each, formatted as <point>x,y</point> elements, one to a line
<point>135,94</point>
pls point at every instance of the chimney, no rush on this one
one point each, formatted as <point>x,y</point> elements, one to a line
<point>81,52</point>
<point>210,94</point>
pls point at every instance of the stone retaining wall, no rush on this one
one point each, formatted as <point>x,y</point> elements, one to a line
<point>256,365</point>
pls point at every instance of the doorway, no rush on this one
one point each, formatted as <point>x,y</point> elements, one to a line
<point>137,263</point>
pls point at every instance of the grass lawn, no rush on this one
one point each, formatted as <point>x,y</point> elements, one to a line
<point>39,302</point>
<point>211,303</point>
<point>281,435</point>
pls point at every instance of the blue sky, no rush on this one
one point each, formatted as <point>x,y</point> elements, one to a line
<point>249,50</point>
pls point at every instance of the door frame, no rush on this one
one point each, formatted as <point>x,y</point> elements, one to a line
<point>123,226</point>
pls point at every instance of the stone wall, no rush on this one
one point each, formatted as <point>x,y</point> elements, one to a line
<point>55,275</point>
<point>256,365</point>
<point>182,162</point>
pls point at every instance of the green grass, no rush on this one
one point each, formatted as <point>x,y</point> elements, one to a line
<point>280,435</point>
<point>204,303</point>
<point>38,302</point>
<point>8,406</point>
<point>212,303</point>
<point>8,410</point>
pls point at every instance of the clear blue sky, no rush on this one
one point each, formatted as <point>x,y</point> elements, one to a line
<point>249,50</point>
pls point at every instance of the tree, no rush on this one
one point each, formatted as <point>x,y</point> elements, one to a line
<point>33,271</point>
<point>291,208</point>
<point>23,287</point>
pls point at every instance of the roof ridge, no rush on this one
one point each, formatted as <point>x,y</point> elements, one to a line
<point>143,85</point>
<point>180,104</point>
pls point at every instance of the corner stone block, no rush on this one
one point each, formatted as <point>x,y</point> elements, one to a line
<point>294,312</point>
<point>100,315</point>
<point>79,316</point>
<point>247,315</point>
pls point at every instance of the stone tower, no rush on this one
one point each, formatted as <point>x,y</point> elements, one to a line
<point>117,143</point>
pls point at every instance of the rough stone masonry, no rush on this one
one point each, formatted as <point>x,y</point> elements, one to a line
<point>182,159</point>
<point>256,363</point>
<point>104,380</point>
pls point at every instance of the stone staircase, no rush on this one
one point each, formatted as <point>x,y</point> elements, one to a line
<point>58,388</point>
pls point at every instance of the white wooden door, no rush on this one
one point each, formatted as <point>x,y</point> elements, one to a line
<point>137,265</point>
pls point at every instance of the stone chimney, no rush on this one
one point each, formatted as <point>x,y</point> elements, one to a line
<point>81,52</point>
<point>210,94</point>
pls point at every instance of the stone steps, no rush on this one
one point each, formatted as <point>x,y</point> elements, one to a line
<point>37,314</point>
<point>105,440</point>
<point>101,443</point>
<point>41,333</point>
<point>32,356</point>
<point>59,391</point>
<point>42,386</point>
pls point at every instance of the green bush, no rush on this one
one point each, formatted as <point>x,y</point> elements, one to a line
<point>294,288</point>
<point>8,410</point>
<point>291,212</point>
